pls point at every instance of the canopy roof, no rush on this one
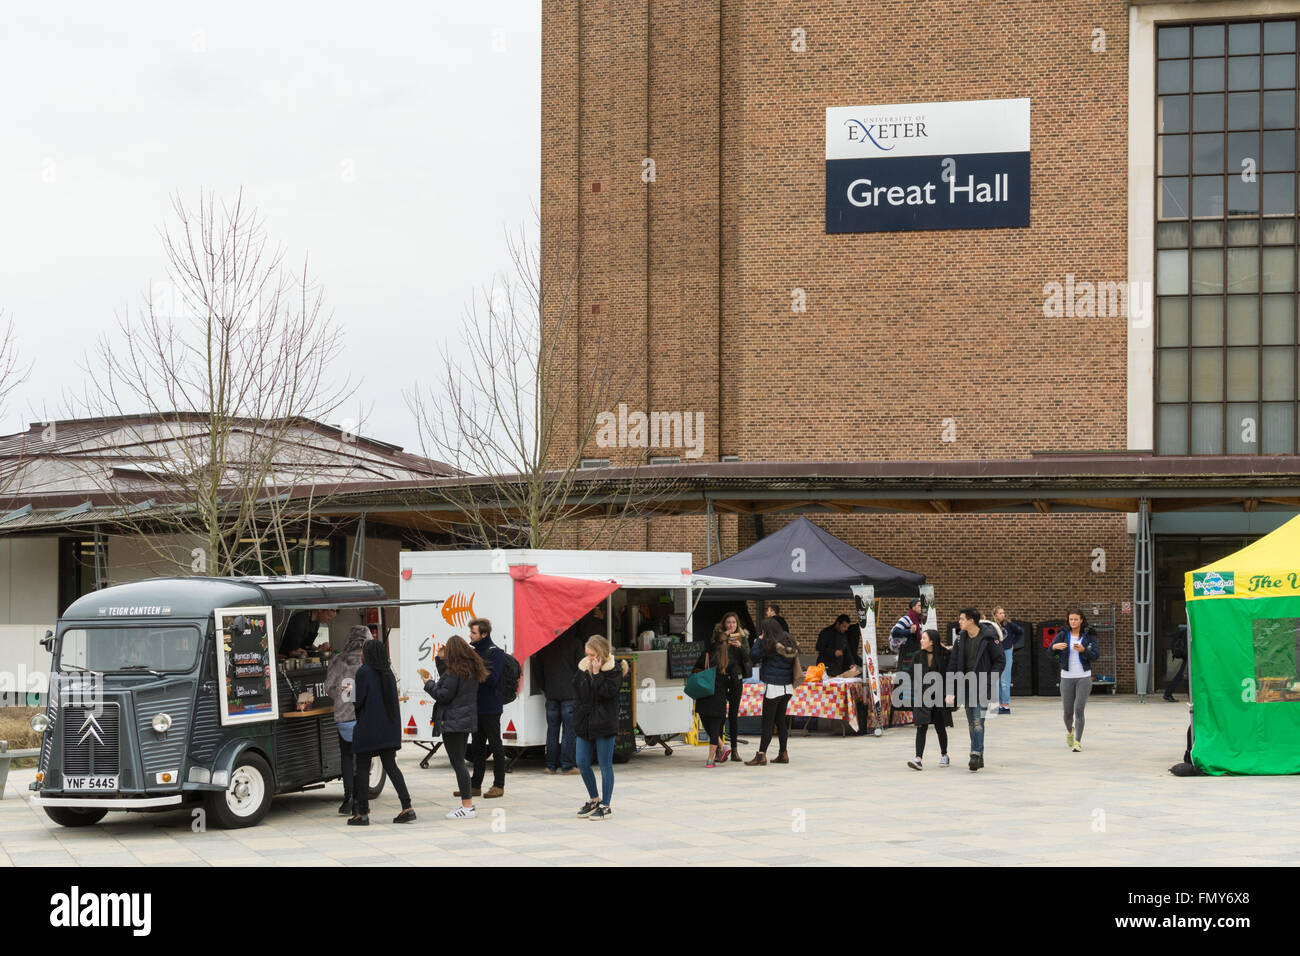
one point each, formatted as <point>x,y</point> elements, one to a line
<point>805,561</point>
<point>1269,567</point>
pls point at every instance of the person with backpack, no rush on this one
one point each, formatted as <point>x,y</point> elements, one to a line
<point>1179,649</point>
<point>928,708</point>
<point>1074,655</point>
<point>713,709</point>
<point>595,721</point>
<point>455,711</point>
<point>378,733</point>
<point>487,733</point>
<point>778,663</point>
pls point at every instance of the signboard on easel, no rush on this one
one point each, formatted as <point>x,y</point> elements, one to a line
<point>864,596</point>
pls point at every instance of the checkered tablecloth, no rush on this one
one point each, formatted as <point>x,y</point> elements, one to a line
<point>833,701</point>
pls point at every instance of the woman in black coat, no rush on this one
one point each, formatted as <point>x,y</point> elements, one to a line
<point>713,710</point>
<point>378,732</point>
<point>455,711</point>
<point>778,660</point>
<point>928,707</point>
<point>595,722</point>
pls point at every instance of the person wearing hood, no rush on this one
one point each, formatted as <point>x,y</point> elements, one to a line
<point>378,733</point>
<point>595,720</point>
<point>778,656</point>
<point>974,669</point>
<point>905,636</point>
<point>341,687</point>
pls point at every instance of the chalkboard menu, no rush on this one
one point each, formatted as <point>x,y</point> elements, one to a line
<point>625,741</point>
<point>246,665</point>
<point>682,657</point>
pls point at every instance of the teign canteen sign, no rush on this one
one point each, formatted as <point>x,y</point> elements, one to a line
<point>962,165</point>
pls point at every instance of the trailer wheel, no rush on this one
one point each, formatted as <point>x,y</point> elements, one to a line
<point>378,777</point>
<point>244,803</point>
<point>75,816</point>
<point>622,757</point>
<point>668,751</point>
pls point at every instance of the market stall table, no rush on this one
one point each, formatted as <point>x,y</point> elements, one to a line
<point>834,701</point>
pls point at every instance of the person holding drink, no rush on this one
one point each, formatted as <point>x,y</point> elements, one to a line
<point>737,638</point>
<point>1075,654</point>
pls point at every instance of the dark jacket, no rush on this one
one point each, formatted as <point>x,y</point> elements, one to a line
<point>776,664</point>
<point>1012,634</point>
<point>829,641</point>
<point>300,633</point>
<point>931,691</point>
<point>377,730</point>
<point>1091,649</point>
<point>489,692</point>
<point>716,706</point>
<point>455,709</point>
<point>595,708</point>
<point>987,665</point>
<point>555,664</point>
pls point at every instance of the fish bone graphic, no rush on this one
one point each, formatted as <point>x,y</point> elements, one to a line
<point>458,609</point>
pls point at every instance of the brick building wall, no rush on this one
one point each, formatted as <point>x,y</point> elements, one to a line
<point>684,284</point>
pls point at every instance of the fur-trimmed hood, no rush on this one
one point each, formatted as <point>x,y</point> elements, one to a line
<point>584,665</point>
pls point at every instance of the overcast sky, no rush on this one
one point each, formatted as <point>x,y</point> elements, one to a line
<point>393,141</point>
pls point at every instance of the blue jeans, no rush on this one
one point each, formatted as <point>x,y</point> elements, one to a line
<point>602,748</point>
<point>559,715</point>
<point>975,718</point>
<point>1004,687</point>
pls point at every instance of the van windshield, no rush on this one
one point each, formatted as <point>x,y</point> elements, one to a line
<point>124,649</point>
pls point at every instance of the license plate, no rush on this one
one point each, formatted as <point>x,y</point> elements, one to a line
<point>98,781</point>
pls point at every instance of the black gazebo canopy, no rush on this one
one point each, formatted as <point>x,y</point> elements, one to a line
<point>806,562</point>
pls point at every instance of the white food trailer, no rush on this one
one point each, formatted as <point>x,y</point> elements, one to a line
<point>467,584</point>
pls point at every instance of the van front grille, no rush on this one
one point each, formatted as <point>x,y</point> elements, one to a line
<point>91,740</point>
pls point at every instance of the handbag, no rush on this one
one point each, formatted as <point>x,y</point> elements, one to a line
<point>798,672</point>
<point>703,683</point>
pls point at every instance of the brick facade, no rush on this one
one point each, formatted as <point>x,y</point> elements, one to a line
<point>687,281</point>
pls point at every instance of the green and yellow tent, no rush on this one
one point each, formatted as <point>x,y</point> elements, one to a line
<point>1243,617</point>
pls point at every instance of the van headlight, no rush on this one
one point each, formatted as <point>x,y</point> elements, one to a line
<point>161,723</point>
<point>40,723</point>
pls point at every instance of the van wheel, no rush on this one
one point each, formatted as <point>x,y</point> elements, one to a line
<point>378,777</point>
<point>75,816</point>
<point>246,800</point>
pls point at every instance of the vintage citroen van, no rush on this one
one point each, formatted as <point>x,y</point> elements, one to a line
<point>168,692</point>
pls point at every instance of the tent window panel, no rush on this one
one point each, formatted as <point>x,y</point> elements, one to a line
<point>1276,641</point>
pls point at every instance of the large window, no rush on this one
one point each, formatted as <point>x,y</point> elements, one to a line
<point>1226,238</point>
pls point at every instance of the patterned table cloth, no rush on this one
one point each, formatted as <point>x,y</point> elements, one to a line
<point>833,701</point>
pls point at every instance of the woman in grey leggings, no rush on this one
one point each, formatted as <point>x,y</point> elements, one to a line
<point>1075,654</point>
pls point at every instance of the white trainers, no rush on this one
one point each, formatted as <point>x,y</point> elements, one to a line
<point>915,764</point>
<point>944,761</point>
<point>461,813</point>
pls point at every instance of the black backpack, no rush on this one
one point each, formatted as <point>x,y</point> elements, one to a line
<point>511,672</point>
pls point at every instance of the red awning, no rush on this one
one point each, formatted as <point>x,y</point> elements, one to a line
<point>546,606</point>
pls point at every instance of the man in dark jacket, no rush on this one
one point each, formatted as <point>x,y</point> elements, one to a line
<point>833,648</point>
<point>488,733</point>
<point>554,667</point>
<point>974,669</point>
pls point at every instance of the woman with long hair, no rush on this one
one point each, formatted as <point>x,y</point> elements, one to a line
<point>713,710</point>
<point>595,722</point>
<point>928,708</point>
<point>341,687</point>
<point>455,710</point>
<point>378,733</point>
<point>778,656</point>
<point>1075,654</point>
<point>737,639</point>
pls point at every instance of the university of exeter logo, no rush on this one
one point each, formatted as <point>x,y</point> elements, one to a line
<point>1207,583</point>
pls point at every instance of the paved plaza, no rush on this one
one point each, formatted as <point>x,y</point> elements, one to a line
<point>840,801</point>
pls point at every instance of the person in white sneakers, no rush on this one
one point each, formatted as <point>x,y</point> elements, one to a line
<point>455,710</point>
<point>595,722</point>
<point>928,708</point>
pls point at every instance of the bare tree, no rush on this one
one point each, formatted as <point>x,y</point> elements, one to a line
<point>500,415</point>
<point>12,374</point>
<point>209,384</point>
